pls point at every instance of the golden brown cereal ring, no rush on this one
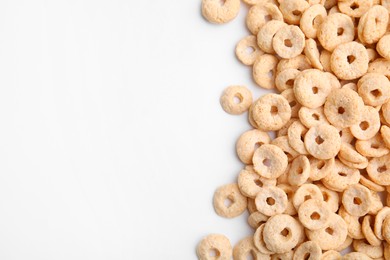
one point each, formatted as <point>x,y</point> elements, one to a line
<point>259,14</point>
<point>341,177</point>
<point>264,71</point>
<point>349,153</point>
<point>374,88</point>
<point>214,246</point>
<point>247,50</point>
<point>368,231</point>
<point>245,249</point>
<point>271,201</point>
<point>312,19</point>
<point>267,33</point>
<point>373,24</point>
<point>290,97</point>
<point>369,124</point>
<point>295,134</point>
<point>292,10</point>
<point>289,190</point>
<point>308,250</point>
<point>314,214</point>
<point>235,100</point>
<point>306,192</point>
<point>248,142</point>
<point>353,224</point>
<point>374,147</point>
<point>259,241</point>
<point>330,197</point>
<point>331,254</point>
<point>289,41</point>
<point>282,233</point>
<point>349,60</point>
<point>382,47</point>
<point>250,183</point>
<point>299,171</point>
<point>229,202</point>
<point>325,60</point>
<point>312,116</point>
<point>285,79</point>
<point>380,217</point>
<point>342,108</point>
<point>354,8</point>
<point>220,12</point>
<point>312,53</point>
<point>332,235</point>
<point>381,66</point>
<point>356,200</point>
<point>362,246</point>
<point>271,112</point>
<point>336,29</point>
<point>300,63</point>
<point>379,170</point>
<point>356,256</point>
<point>256,219</point>
<point>386,229</point>
<point>269,161</point>
<point>311,88</point>
<point>282,143</point>
<point>323,141</point>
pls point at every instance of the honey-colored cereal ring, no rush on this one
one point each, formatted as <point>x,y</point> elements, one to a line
<point>251,206</point>
<point>378,224</point>
<point>250,183</point>
<point>248,142</point>
<point>269,161</point>
<point>299,62</point>
<point>259,14</point>
<point>295,134</point>
<point>308,248</point>
<point>256,219</point>
<point>285,79</point>
<point>259,2</point>
<point>214,243</point>
<point>378,170</point>
<point>289,41</point>
<point>362,246</point>
<point>238,202</point>
<point>236,100</point>
<point>374,147</point>
<point>368,126</point>
<point>312,116</point>
<point>320,168</point>
<point>311,19</point>
<point>267,33</point>
<point>259,241</point>
<point>306,192</point>
<point>283,131</point>
<point>334,81</point>
<point>245,248</point>
<point>285,256</point>
<point>271,201</point>
<point>373,24</point>
<point>386,229</point>
<point>372,55</point>
<point>314,214</point>
<point>216,12</point>
<point>354,8</point>
<point>368,232</point>
<point>312,53</point>
<point>264,71</point>
<point>290,97</point>
<point>292,10</point>
<point>299,171</point>
<point>374,88</point>
<point>348,242</point>
<point>357,200</point>
<point>323,141</point>
<point>247,50</point>
<point>331,198</point>
<point>341,177</point>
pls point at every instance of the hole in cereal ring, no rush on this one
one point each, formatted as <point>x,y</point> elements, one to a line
<point>267,162</point>
<point>306,256</point>
<point>258,183</point>
<point>257,145</point>
<point>267,18</point>
<point>270,74</point>
<point>296,12</point>
<point>357,201</point>
<point>289,194</point>
<point>325,195</point>
<point>307,197</point>
<point>375,146</point>
<point>317,21</point>
<point>342,174</point>
<point>287,43</point>
<point>354,6</point>
<point>314,90</point>
<point>376,93</point>
<point>293,103</point>
<point>270,201</point>
<point>341,110</point>
<point>315,216</point>
<point>228,202</point>
<point>249,50</point>
<point>361,219</point>
<point>351,58</point>
<point>290,82</point>
<point>319,140</point>
<point>237,99</point>
<point>329,230</point>
<point>382,168</point>
<point>285,232</point>
<point>300,170</point>
<point>213,252</point>
<point>274,110</point>
<point>320,165</point>
<point>316,116</point>
<point>364,125</point>
<point>340,31</point>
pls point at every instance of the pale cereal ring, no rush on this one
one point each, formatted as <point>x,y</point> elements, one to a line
<point>282,143</point>
<point>256,219</point>
<point>289,190</point>
<point>320,168</point>
<point>271,201</point>
<point>285,79</point>
<point>219,12</point>
<point>342,108</point>
<point>372,54</point>
<point>333,80</point>
<point>282,233</point>
<point>341,177</point>
<point>349,153</point>
<point>381,66</point>
<point>290,97</point>
<point>229,202</point>
<point>295,134</point>
<point>374,88</point>
<point>306,192</point>
<point>248,142</point>
<point>250,183</point>
<point>292,10</point>
<point>299,171</point>
<point>323,141</point>
<point>308,250</point>
<point>271,112</point>
<point>353,165</point>
<point>283,131</point>
<point>245,248</point>
<point>267,33</point>
<point>288,42</point>
<point>378,170</point>
<point>236,100</point>
<point>269,161</point>
<point>356,200</point>
<point>386,111</point>
<point>351,86</point>
<point>312,53</point>
<point>353,224</point>
<point>312,116</point>
<point>331,254</point>
<point>251,206</point>
<point>259,241</point>
<point>259,2</point>
<point>366,181</point>
<point>369,124</point>
<point>325,60</point>
<point>314,214</point>
<point>214,246</point>
<point>311,88</point>
<point>385,132</point>
<point>331,198</point>
<point>332,235</point>
<point>368,231</point>
<point>285,256</point>
<point>336,29</point>
<point>382,47</point>
<point>356,256</point>
<point>299,62</point>
<point>264,71</point>
<point>362,246</point>
<point>250,117</point>
<point>373,24</point>
<point>349,60</point>
<point>386,229</point>
<point>354,8</point>
<point>247,50</point>
<point>376,204</point>
<point>378,224</point>
<point>312,19</point>
<point>374,147</point>
<point>259,14</point>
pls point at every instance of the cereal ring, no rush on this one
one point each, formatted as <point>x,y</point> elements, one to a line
<point>251,206</point>
<point>256,219</point>
<point>290,97</point>
<point>283,131</point>
<point>292,10</point>
<point>220,12</point>
<point>348,153</point>
<point>349,60</point>
<point>269,161</point>
<point>323,141</point>
<point>330,3</point>
<point>264,71</point>
<point>330,197</point>
<point>247,50</point>
<point>267,33</point>
<point>282,233</point>
<point>249,142</point>
<point>376,204</point>
<point>314,214</point>
<point>306,192</point>
<point>356,256</point>
<point>312,53</point>
<point>285,256</point>
<point>311,88</point>
<point>368,231</point>
<point>259,241</point>
<point>346,135</point>
<point>245,249</point>
<point>353,224</point>
<point>250,183</point>
<point>271,112</point>
<point>378,224</point>
<point>333,80</point>
<point>341,177</point>
<point>354,8</point>
<point>362,246</point>
<point>299,171</point>
<point>214,246</point>
<point>342,108</point>
<point>250,117</point>
<point>381,66</point>
<point>289,41</point>
<point>385,132</point>
<point>335,29</point>
<point>331,254</point>
<point>236,100</point>
<point>285,79</point>
<point>382,47</point>
<point>386,229</point>
<point>332,235</point>
<point>299,62</point>
<point>373,24</point>
<point>229,202</point>
<point>259,14</point>
<point>312,116</point>
<point>312,19</point>
<point>372,55</point>
<point>289,190</point>
<point>365,181</point>
<point>325,60</point>
<point>271,201</point>
<point>308,250</point>
<point>295,134</point>
<point>282,143</point>
<point>386,111</point>
<point>259,2</point>
<point>356,200</point>
<point>374,89</point>
<point>351,86</point>
<point>373,147</point>
<point>368,126</point>
<point>378,170</point>
<point>353,165</point>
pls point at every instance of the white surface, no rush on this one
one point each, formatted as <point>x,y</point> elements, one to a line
<point>112,138</point>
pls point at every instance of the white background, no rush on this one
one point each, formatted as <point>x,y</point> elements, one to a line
<point>112,139</point>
